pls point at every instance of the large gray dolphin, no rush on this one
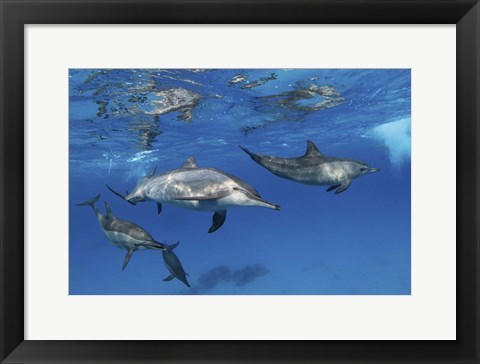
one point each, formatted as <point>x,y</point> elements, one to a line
<point>315,168</point>
<point>123,234</point>
<point>203,189</point>
<point>173,264</point>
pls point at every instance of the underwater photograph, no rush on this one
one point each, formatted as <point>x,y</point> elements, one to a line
<point>239,182</point>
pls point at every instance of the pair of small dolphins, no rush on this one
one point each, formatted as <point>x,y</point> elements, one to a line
<point>131,237</point>
<point>209,189</point>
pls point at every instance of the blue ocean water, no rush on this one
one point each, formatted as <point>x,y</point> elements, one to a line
<point>123,123</point>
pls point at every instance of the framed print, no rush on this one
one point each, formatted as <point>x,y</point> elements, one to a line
<point>239,181</point>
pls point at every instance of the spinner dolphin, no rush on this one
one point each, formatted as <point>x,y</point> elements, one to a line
<point>196,188</point>
<point>123,234</point>
<point>173,264</point>
<point>315,168</point>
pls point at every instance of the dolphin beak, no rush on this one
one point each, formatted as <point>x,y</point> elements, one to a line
<point>372,170</point>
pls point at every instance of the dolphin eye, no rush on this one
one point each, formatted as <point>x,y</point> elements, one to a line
<point>362,169</point>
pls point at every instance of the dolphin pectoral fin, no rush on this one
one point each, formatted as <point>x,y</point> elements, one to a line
<point>218,220</point>
<point>331,188</point>
<point>159,208</point>
<point>127,259</point>
<point>169,278</point>
<point>343,187</point>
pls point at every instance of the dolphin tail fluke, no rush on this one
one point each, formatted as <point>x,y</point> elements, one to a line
<point>120,195</point>
<point>217,220</point>
<point>173,246</point>
<point>127,259</point>
<point>252,155</point>
<point>246,150</point>
<point>90,202</point>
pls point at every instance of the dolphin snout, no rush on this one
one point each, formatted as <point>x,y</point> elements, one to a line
<point>372,170</point>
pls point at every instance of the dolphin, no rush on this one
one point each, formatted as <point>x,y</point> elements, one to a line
<point>202,189</point>
<point>173,264</point>
<point>123,234</point>
<point>315,168</point>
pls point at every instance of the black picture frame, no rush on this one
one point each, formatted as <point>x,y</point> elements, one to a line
<point>16,13</point>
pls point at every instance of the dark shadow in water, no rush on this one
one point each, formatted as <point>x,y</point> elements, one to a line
<point>222,274</point>
<point>248,274</point>
<point>214,276</point>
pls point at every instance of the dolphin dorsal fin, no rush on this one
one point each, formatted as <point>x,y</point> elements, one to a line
<point>312,150</point>
<point>152,173</point>
<point>191,162</point>
<point>173,246</point>
<point>109,210</point>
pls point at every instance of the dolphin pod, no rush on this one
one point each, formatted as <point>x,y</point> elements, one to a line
<point>315,168</point>
<point>209,189</point>
<point>196,188</point>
